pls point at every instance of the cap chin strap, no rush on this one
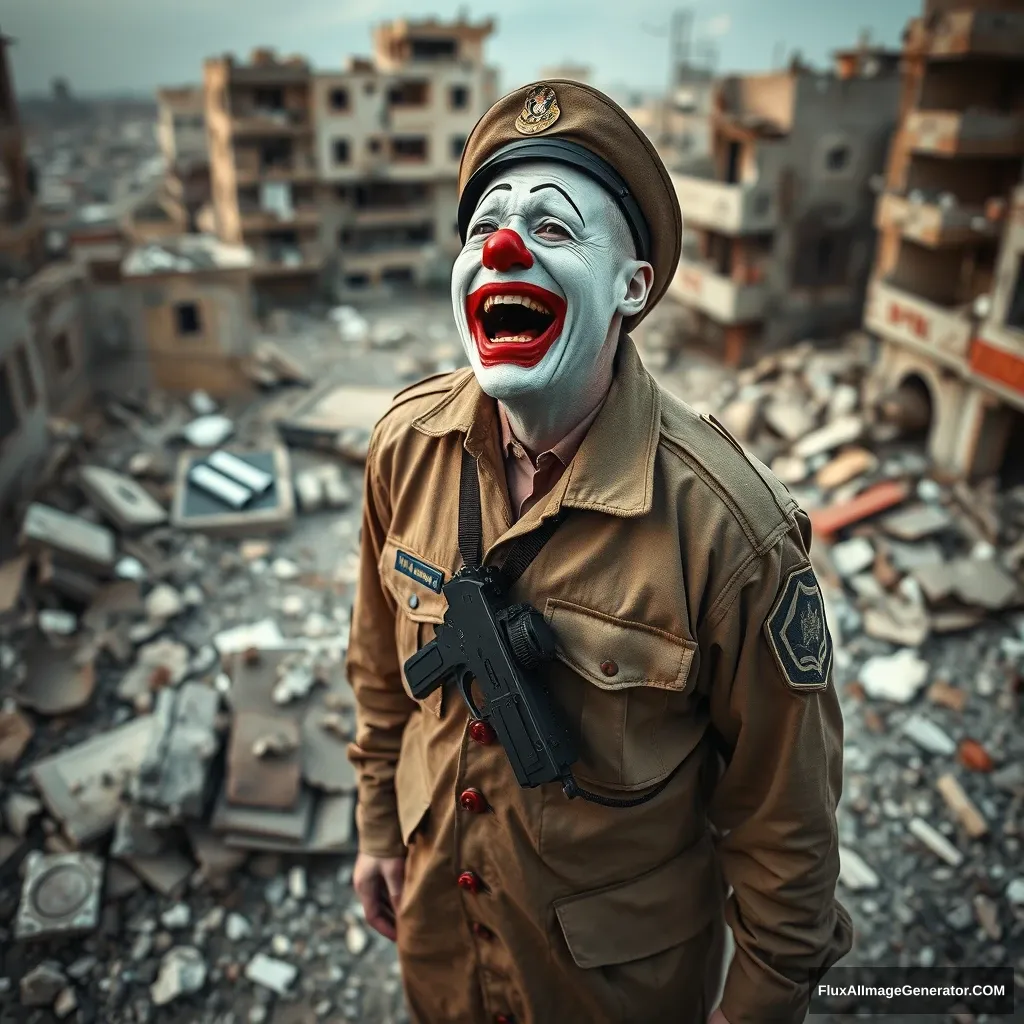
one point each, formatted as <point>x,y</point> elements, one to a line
<point>565,152</point>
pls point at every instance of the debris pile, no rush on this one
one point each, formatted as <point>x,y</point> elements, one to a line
<point>174,719</point>
<point>922,581</point>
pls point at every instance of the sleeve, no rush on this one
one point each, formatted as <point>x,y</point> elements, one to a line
<point>382,705</point>
<point>775,709</point>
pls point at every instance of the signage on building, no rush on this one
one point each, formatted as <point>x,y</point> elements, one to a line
<point>998,365</point>
<point>912,320</point>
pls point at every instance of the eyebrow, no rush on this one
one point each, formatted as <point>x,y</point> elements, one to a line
<point>504,185</point>
<point>568,198</point>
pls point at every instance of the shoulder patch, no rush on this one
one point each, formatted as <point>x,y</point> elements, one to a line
<point>798,633</point>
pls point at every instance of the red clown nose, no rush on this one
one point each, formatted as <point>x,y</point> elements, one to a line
<point>504,249</point>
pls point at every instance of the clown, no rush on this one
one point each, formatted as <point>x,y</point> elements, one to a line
<point>675,578</point>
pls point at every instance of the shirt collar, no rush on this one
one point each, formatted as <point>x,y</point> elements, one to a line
<point>613,469</point>
<point>562,450</point>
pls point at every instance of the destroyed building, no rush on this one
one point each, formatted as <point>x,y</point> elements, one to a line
<point>779,235</point>
<point>947,291</point>
<point>349,178</point>
<point>181,129</point>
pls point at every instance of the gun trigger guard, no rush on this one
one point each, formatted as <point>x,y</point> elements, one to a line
<point>466,689</point>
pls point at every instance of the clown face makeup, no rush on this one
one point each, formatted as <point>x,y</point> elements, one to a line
<point>539,290</point>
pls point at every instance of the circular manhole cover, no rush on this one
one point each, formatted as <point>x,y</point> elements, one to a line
<point>61,891</point>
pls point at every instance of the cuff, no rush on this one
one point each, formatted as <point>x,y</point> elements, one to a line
<point>380,834</point>
<point>755,994</point>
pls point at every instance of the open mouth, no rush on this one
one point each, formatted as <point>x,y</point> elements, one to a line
<point>514,322</point>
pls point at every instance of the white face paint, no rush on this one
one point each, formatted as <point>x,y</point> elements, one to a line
<point>539,290</point>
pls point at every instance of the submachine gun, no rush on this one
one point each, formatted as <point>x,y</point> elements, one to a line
<point>500,645</point>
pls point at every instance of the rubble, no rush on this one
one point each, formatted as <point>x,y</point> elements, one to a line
<point>42,985</point>
<point>271,973</point>
<point>182,972</point>
<point>128,505</point>
<point>60,895</point>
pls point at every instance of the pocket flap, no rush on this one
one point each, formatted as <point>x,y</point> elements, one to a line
<point>643,656</point>
<point>408,575</point>
<point>644,916</point>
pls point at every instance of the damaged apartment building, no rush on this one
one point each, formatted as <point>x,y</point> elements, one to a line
<point>346,179</point>
<point>779,235</point>
<point>947,291</point>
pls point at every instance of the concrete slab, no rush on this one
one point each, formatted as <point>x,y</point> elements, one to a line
<point>82,543</point>
<point>126,503</point>
<point>270,512</point>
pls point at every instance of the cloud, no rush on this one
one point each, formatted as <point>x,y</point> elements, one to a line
<point>719,25</point>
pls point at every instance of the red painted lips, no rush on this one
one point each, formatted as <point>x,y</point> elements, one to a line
<point>514,322</point>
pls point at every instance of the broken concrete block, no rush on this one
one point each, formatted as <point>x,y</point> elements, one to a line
<point>789,420</point>
<point>854,872</point>
<point>208,431</point>
<point>897,677</point>
<point>899,621</point>
<point>936,842</point>
<point>844,430</point>
<point>846,466</point>
<point>272,511</point>
<point>318,419</point>
<point>852,556</point>
<point>42,985</point>
<point>82,785</point>
<point>309,491</point>
<point>928,736</point>
<point>83,543</point>
<point>163,603</point>
<point>267,782</point>
<point>12,579</point>
<point>175,770</point>
<point>66,1003</point>
<point>159,664</point>
<point>61,895</point>
<point>182,972</point>
<point>20,810</point>
<point>967,814</point>
<point>166,873</point>
<point>54,622</point>
<point>270,973</point>
<point>127,504</point>
<point>916,522</point>
<point>262,635</point>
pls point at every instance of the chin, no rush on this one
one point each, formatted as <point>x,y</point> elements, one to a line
<point>507,382</point>
<point>513,324</point>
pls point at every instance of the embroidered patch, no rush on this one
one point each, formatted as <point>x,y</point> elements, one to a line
<point>540,110</point>
<point>419,571</point>
<point>798,632</point>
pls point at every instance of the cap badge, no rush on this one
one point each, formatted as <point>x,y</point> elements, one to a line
<point>540,110</point>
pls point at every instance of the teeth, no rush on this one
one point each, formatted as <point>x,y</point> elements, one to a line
<point>515,300</point>
<point>516,339</point>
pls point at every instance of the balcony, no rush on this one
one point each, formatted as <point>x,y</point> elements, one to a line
<point>254,121</point>
<point>971,33</point>
<point>965,133</point>
<point>901,316</point>
<point>306,216</point>
<point>287,261</point>
<point>721,298</point>
<point>935,224</point>
<point>730,209</point>
<point>297,170</point>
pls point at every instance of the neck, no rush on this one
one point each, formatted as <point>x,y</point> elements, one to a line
<point>539,421</point>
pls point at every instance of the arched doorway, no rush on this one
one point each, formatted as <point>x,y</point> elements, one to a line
<point>909,407</point>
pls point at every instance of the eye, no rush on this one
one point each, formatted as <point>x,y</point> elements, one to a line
<point>484,227</point>
<point>553,231</point>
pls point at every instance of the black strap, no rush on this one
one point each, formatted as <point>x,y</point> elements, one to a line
<point>524,549</point>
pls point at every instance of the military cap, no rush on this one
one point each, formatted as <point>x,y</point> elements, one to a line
<point>578,125</point>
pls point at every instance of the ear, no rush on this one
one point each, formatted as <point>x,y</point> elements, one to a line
<point>639,279</point>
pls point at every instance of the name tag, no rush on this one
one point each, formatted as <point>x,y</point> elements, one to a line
<point>419,571</point>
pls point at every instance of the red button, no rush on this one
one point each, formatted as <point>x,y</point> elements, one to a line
<point>481,931</point>
<point>504,1018</point>
<point>473,800</point>
<point>481,732</point>
<point>470,881</point>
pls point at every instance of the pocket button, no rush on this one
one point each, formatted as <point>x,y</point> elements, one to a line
<point>609,668</point>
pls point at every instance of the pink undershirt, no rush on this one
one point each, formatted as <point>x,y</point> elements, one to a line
<point>527,481</point>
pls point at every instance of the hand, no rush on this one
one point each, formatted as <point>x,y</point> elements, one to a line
<point>378,883</point>
<point>717,1017</point>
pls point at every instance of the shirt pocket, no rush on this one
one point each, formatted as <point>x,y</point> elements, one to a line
<point>418,609</point>
<point>626,689</point>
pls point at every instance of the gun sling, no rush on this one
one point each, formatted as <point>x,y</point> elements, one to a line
<point>524,550</point>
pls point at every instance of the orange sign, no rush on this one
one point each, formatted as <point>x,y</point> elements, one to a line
<point>997,364</point>
<point>915,322</point>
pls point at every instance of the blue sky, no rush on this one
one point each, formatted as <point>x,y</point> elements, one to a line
<point>136,45</point>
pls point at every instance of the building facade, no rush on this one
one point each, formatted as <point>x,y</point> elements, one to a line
<point>181,132</point>
<point>947,290</point>
<point>779,232</point>
<point>347,179</point>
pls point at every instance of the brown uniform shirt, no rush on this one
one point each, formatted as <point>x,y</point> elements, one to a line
<point>678,550</point>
